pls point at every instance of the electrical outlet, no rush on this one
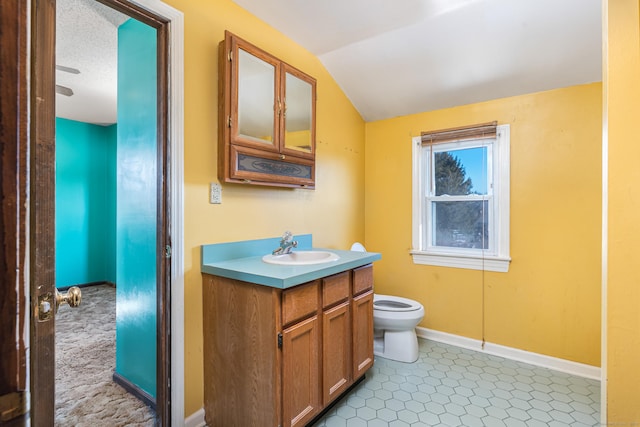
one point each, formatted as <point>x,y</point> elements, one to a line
<point>215,193</point>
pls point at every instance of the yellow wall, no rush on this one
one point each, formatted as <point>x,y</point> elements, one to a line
<point>622,101</point>
<point>549,301</point>
<point>333,212</point>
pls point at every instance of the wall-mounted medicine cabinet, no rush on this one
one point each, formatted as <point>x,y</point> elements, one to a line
<point>267,118</point>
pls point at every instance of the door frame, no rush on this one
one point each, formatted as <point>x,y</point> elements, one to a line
<point>14,125</point>
<point>170,25</point>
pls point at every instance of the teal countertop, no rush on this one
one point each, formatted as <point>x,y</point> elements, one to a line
<point>243,261</point>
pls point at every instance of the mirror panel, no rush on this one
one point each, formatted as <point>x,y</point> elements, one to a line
<point>298,114</point>
<point>256,96</point>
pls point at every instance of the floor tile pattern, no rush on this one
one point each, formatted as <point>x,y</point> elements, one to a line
<point>451,386</point>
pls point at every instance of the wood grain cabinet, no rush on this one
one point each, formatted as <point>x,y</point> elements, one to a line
<point>276,357</point>
<point>336,336</point>
<point>300,352</point>
<point>362,309</point>
<point>267,118</point>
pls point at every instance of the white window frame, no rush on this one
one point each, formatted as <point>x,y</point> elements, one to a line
<point>496,256</point>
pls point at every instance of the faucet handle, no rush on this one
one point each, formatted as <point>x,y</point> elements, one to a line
<point>287,236</point>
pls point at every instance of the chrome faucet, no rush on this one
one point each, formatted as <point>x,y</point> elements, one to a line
<point>286,244</point>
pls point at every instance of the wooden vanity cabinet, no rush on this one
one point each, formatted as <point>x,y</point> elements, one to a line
<point>276,357</point>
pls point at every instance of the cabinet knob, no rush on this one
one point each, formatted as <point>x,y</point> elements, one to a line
<point>281,156</point>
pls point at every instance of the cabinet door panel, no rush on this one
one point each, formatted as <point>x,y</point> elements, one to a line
<point>300,372</point>
<point>362,333</point>
<point>336,352</point>
<point>298,118</point>
<point>254,90</point>
<point>300,302</point>
<point>335,289</point>
<point>250,165</point>
<point>362,279</point>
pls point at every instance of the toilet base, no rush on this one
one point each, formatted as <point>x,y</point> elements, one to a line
<point>401,346</point>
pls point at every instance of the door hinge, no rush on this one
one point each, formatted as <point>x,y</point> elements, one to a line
<point>280,340</point>
<point>167,251</point>
<point>12,405</point>
<point>230,56</point>
<point>228,121</point>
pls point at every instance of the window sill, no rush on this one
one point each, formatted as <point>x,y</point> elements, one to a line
<point>488,263</point>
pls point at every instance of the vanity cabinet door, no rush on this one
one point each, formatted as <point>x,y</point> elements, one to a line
<point>301,372</point>
<point>362,311</point>
<point>336,351</point>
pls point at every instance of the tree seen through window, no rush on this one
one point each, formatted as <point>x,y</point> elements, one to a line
<point>460,223</point>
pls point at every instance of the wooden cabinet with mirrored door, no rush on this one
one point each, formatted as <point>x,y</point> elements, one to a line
<point>267,118</point>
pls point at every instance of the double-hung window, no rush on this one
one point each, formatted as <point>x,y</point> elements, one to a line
<point>461,198</point>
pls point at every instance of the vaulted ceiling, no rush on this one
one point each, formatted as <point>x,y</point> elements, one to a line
<point>390,57</point>
<point>393,58</point>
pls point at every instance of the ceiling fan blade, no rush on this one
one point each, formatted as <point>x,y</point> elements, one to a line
<point>67,69</point>
<point>63,90</point>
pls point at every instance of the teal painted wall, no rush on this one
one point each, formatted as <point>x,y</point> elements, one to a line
<point>85,203</point>
<point>136,206</point>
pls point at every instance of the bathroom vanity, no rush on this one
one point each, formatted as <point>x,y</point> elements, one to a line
<point>281,343</point>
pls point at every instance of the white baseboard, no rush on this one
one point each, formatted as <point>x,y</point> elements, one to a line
<point>566,366</point>
<point>196,419</point>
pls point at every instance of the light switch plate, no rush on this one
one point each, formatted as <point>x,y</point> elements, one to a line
<point>215,193</point>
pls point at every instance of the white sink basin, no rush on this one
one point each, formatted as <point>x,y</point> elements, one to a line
<point>301,258</point>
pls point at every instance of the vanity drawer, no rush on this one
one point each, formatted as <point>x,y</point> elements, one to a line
<point>335,289</point>
<point>300,302</point>
<point>362,279</point>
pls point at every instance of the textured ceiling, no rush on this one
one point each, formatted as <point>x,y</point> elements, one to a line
<point>394,58</point>
<point>87,40</point>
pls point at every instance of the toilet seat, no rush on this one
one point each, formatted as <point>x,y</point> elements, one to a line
<point>393,303</point>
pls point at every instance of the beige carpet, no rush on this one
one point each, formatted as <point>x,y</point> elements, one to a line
<point>85,360</point>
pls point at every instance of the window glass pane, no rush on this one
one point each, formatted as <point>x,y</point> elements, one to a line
<point>460,172</point>
<point>461,224</point>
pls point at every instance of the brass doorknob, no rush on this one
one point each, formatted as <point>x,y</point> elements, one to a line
<point>73,297</point>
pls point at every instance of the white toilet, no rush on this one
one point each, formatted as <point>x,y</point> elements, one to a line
<point>394,325</point>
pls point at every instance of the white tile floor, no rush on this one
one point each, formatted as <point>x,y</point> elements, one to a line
<point>450,386</point>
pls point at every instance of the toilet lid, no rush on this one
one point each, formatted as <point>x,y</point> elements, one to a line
<point>358,247</point>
